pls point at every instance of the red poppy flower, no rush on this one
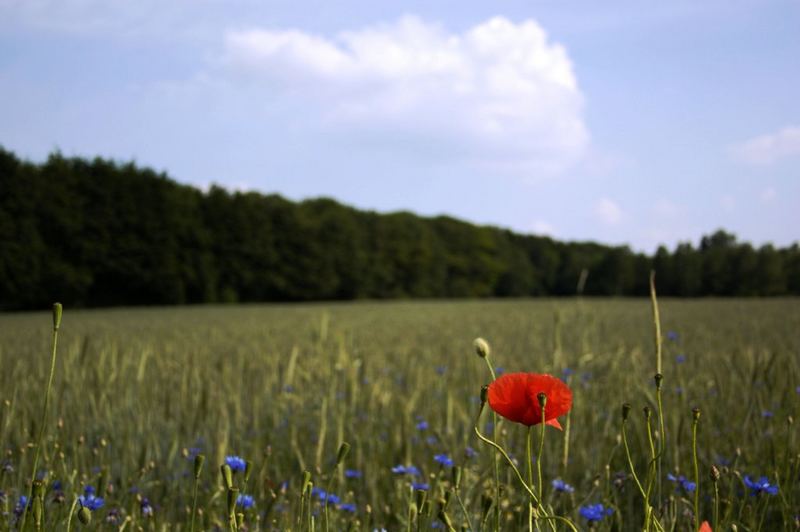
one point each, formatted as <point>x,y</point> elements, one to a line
<point>705,527</point>
<point>515,396</point>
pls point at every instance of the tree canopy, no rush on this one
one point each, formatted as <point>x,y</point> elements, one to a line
<point>100,233</point>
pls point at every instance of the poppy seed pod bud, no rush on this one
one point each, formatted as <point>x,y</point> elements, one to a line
<point>789,420</point>
<point>199,460</point>
<point>658,378</point>
<point>37,512</point>
<point>646,411</point>
<point>626,409</point>
<point>248,468</point>
<point>227,475</point>
<point>456,473</point>
<point>344,448</point>
<point>38,489</point>
<point>56,315</point>
<point>482,347</point>
<point>233,494</point>
<point>714,473</point>
<point>484,393</point>
<point>542,397</point>
<point>84,515</point>
<point>695,414</point>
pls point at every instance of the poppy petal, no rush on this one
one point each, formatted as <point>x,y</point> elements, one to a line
<point>515,397</point>
<point>554,423</point>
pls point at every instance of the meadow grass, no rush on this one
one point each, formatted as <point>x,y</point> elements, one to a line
<point>138,393</point>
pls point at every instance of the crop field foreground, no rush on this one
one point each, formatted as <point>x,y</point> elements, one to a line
<point>139,395</point>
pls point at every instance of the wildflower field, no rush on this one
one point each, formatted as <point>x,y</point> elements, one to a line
<point>363,416</point>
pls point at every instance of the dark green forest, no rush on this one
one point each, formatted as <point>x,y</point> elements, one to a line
<point>101,233</point>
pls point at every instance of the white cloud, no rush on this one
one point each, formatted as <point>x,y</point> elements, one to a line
<point>540,227</point>
<point>499,94</point>
<point>768,149</point>
<point>728,203</point>
<point>768,194</point>
<point>608,212</point>
<point>666,209</point>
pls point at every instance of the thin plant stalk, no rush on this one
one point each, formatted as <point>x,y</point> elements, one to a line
<point>695,420</point>
<point>496,459</point>
<point>659,377</point>
<point>542,400</point>
<point>529,462</point>
<point>198,466</point>
<point>71,513</point>
<point>56,324</point>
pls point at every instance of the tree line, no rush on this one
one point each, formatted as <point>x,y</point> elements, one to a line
<point>100,233</point>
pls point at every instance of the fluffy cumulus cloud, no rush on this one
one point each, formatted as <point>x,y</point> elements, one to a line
<point>501,94</point>
<point>770,148</point>
<point>607,211</point>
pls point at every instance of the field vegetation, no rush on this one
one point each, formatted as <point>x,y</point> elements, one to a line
<point>139,394</point>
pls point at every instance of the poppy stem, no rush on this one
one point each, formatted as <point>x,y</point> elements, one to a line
<point>542,401</point>
<point>529,462</point>
<point>496,460</point>
<point>510,462</point>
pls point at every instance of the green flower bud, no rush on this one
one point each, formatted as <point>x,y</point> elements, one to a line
<point>199,460</point>
<point>344,448</point>
<point>56,315</point>
<point>84,515</point>
<point>227,475</point>
<point>482,347</point>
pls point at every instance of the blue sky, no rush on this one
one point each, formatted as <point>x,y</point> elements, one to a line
<point>624,122</point>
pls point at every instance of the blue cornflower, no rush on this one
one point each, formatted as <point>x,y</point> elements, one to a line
<point>594,512</point>
<point>767,413</point>
<point>470,452</point>
<point>762,485</point>
<point>797,389</point>
<point>499,370</point>
<point>22,503</point>
<point>245,501</point>
<point>348,507</point>
<point>406,470</point>
<point>236,463</point>
<point>441,370</point>
<point>422,486</point>
<point>687,485</point>
<point>90,500</point>
<point>443,459</point>
<point>422,425</point>
<point>352,473</point>
<point>560,485</point>
<point>680,359</point>
<point>145,507</point>
<point>192,452</point>
<point>673,336</point>
<point>324,496</point>
<point>566,373</point>
<point>431,440</point>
